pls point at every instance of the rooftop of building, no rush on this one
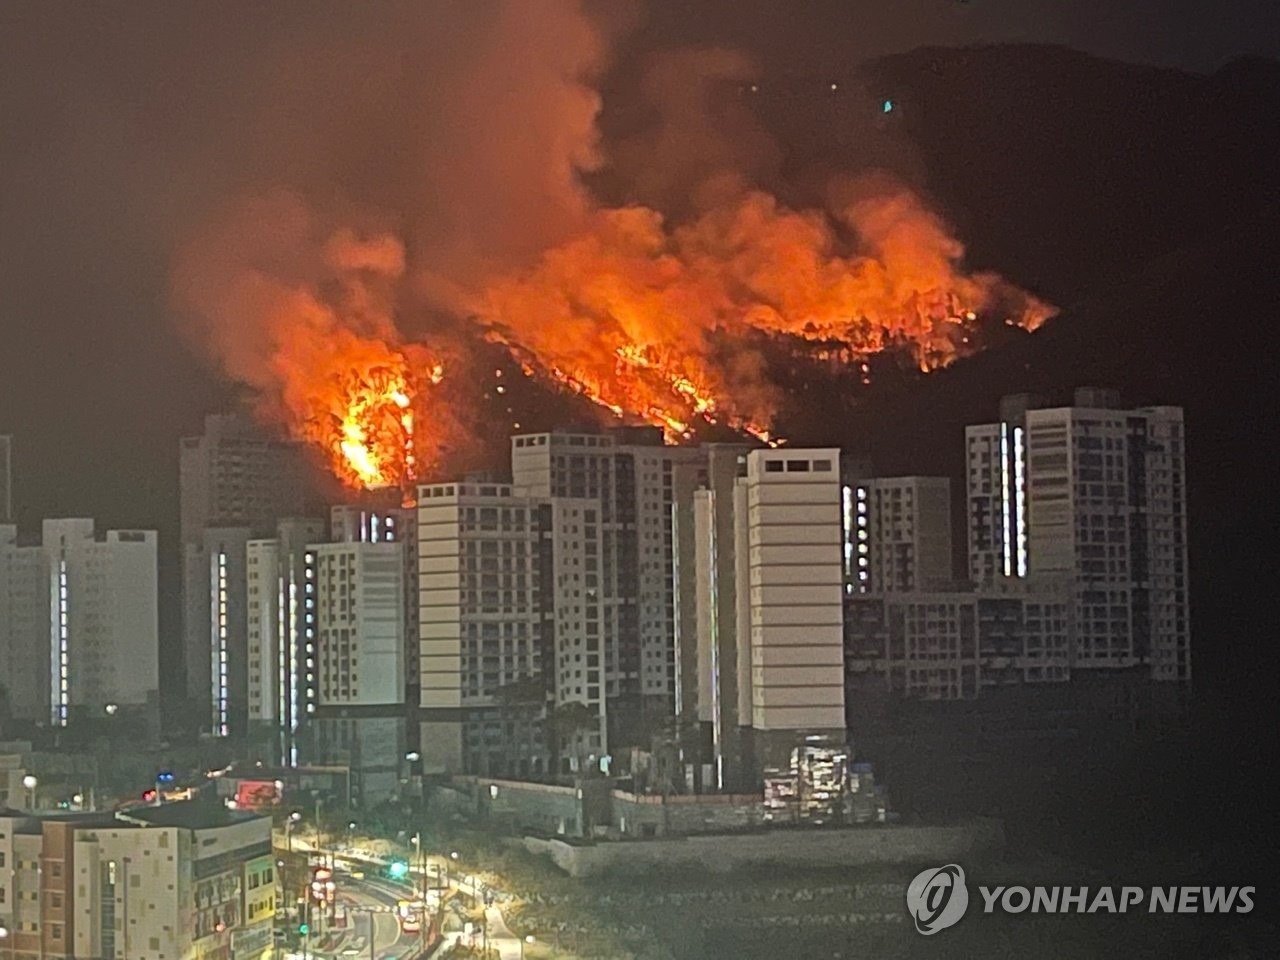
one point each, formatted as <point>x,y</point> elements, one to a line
<point>197,814</point>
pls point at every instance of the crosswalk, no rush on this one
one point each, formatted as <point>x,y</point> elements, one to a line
<point>354,907</point>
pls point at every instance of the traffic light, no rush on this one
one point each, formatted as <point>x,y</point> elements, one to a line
<point>304,929</point>
<point>398,869</point>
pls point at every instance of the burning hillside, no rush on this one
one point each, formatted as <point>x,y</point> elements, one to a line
<point>337,313</point>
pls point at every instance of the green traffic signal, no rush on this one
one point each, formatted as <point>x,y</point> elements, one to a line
<point>398,869</point>
<point>304,928</point>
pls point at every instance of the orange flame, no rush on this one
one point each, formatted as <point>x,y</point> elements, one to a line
<point>363,411</point>
<point>636,315</point>
<point>648,320</point>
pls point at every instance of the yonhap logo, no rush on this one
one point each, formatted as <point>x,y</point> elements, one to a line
<point>937,898</point>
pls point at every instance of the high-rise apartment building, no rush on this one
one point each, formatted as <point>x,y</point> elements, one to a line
<point>480,616</point>
<point>511,626</point>
<point>365,523</point>
<point>707,641</point>
<point>225,551</point>
<point>78,624</point>
<point>359,591</point>
<point>630,473</point>
<point>897,533</point>
<point>231,476</point>
<point>1095,493</point>
<point>895,527</point>
<point>325,642</point>
<point>790,593</point>
<point>281,632</point>
<point>103,639</point>
<point>24,628</point>
<point>358,682</point>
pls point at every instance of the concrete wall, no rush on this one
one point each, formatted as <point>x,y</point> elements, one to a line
<point>780,848</point>
<point>655,816</point>
<point>592,808</point>
<point>539,807</point>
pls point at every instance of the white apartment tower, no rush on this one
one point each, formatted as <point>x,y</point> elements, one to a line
<point>358,681</point>
<point>359,613</point>
<point>707,641</point>
<point>512,624</point>
<point>326,636</point>
<point>281,630</point>
<point>996,475</point>
<point>102,625</point>
<point>485,623</point>
<point>1095,493</point>
<point>225,551</point>
<point>790,576</point>
<point>578,641</point>
<point>363,523</point>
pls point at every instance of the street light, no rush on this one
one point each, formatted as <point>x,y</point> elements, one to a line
<point>294,817</point>
<point>111,709</point>
<point>420,886</point>
<point>30,783</point>
<point>528,939</point>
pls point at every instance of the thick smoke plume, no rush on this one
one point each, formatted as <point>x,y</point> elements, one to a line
<point>453,193</point>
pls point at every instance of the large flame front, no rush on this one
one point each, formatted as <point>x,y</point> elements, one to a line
<point>665,323</point>
<point>675,326</point>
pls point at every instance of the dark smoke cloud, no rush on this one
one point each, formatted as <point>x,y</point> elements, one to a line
<point>698,126</point>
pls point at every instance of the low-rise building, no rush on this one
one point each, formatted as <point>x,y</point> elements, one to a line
<point>181,881</point>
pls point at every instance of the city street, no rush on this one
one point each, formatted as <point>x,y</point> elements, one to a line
<point>368,894</point>
<point>369,924</point>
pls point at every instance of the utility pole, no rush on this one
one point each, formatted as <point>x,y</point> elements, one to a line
<point>319,851</point>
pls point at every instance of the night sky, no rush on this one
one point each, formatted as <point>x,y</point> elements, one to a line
<point>123,124</point>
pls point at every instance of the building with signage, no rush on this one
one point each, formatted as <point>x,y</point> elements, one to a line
<point>180,881</point>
